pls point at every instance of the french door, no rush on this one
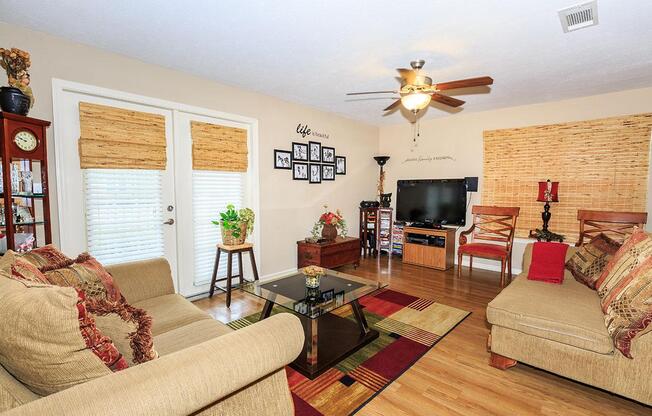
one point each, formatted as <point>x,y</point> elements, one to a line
<point>121,215</point>
<point>118,215</point>
<point>201,195</point>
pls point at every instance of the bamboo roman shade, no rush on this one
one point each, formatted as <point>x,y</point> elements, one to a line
<point>600,164</point>
<point>115,138</point>
<point>218,148</point>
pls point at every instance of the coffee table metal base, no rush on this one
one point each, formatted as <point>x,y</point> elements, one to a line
<point>329,339</point>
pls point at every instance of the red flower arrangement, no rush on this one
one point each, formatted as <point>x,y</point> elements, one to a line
<point>330,218</point>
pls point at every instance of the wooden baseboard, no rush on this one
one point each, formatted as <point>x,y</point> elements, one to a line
<point>500,362</point>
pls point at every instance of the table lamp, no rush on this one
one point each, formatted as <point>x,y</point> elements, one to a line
<point>548,192</point>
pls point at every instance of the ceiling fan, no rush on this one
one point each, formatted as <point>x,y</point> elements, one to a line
<point>417,90</point>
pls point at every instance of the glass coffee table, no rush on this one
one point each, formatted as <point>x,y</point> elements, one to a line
<point>329,337</point>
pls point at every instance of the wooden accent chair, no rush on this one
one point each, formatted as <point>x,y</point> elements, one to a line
<point>617,225</point>
<point>490,224</point>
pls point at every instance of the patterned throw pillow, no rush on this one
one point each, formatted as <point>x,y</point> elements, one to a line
<point>129,328</point>
<point>84,273</point>
<point>45,256</point>
<point>589,261</point>
<point>636,249</point>
<point>629,311</point>
<point>48,341</point>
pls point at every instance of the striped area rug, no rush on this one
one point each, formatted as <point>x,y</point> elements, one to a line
<point>408,326</point>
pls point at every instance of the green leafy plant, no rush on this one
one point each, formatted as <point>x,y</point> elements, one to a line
<point>232,220</point>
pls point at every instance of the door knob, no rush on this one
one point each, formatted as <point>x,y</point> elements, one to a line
<point>170,221</point>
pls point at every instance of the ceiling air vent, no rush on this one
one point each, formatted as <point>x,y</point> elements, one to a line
<point>579,16</point>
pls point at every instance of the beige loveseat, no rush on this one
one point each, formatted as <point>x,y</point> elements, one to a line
<point>205,368</point>
<point>560,328</point>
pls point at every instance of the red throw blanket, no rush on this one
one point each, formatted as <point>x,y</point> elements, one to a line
<point>548,261</point>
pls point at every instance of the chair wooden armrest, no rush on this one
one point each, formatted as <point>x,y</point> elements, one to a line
<point>463,239</point>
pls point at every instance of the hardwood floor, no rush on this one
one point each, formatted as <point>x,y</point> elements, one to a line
<point>454,377</point>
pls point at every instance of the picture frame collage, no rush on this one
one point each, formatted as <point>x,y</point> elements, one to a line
<point>310,162</point>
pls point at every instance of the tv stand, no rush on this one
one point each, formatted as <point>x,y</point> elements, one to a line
<point>429,247</point>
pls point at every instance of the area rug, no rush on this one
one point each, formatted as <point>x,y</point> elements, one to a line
<point>409,327</point>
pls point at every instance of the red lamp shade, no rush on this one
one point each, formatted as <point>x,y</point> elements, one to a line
<point>548,191</point>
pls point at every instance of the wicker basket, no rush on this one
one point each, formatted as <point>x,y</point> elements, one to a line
<point>229,240</point>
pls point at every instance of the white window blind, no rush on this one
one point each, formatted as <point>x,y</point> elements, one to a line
<point>123,214</point>
<point>212,191</point>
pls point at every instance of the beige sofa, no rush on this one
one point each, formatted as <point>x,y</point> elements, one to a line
<point>560,328</point>
<point>205,368</point>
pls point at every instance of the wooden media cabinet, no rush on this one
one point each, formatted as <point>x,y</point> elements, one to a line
<point>434,248</point>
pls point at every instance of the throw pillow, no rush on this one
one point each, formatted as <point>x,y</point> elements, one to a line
<point>45,256</point>
<point>633,252</point>
<point>47,339</point>
<point>129,328</point>
<point>589,261</point>
<point>629,311</point>
<point>547,262</point>
<point>84,273</point>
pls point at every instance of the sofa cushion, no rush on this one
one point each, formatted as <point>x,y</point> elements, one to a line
<point>170,312</point>
<point>47,339</point>
<point>589,261</point>
<point>13,393</point>
<point>568,313</point>
<point>189,335</point>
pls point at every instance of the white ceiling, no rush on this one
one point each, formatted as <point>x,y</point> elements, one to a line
<point>313,52</point>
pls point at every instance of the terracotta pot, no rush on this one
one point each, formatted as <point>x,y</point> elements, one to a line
<point>329,232</point>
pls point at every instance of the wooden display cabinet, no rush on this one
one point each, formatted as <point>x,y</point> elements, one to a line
<point>25,194</point>
<point>436,248</point>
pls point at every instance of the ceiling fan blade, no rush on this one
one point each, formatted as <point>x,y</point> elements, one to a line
<point>465,83</point>
<point>408,75</point>
<point>372,92</point>
<point>393,105</point>
<point>445,99</point>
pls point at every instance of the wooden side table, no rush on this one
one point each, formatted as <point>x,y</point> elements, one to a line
<point>230,251</point>
<point>329,255</point>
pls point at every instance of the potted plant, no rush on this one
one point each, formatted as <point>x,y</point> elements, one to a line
<point>235,225</point>
<point>331,224</point>
<point>17,98</point>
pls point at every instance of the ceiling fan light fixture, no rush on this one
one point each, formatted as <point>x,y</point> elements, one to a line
<point>415,101</point>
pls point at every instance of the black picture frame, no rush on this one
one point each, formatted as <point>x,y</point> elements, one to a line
<point>340,165</point>
<point>300,151</point>
<point>314,152</point>
<point>297,175</point>
<point>327,154</point>
<point>280,162</point>
<point>327,172</point>
<point>314,168</point>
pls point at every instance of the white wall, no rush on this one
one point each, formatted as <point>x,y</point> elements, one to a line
<point>460,136</point>
<point>288,208</point>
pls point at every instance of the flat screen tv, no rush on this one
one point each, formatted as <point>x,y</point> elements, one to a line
<point>431,201</point>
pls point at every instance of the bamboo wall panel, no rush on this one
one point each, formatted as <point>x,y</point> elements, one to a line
<point>115,138</point>
<point>600,164</point>
<point>216,147</point>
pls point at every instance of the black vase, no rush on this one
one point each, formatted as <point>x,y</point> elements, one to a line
<point>12,100</point>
